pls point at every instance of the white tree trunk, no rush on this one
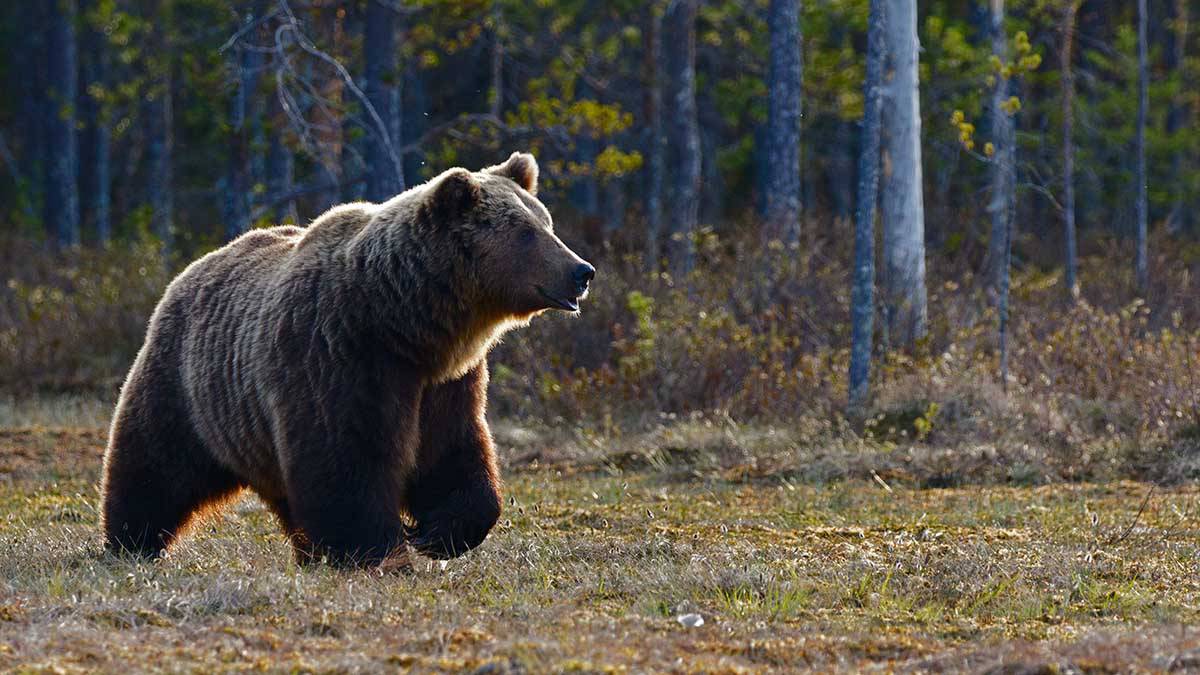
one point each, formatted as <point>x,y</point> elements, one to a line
<point>903,204</point>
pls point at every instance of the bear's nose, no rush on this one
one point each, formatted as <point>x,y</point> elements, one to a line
<point>583,275</point>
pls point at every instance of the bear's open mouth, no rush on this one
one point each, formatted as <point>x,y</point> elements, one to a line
<point>571,304</point>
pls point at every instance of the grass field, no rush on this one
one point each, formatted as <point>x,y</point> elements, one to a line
<point>597,558</point>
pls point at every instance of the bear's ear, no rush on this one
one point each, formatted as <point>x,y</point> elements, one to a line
<point>456,192</point>
<point>521,168</point>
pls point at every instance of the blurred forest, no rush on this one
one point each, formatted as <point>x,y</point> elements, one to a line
<point>743,173</point>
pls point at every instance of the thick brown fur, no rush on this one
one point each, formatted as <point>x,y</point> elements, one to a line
<point>340,372</point>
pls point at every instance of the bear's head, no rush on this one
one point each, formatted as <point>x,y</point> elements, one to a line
<point>520,266</point>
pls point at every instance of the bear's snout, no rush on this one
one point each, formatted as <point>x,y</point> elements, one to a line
<point>583,276</point>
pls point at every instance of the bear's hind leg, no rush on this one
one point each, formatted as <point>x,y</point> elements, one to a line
<point>157,475</point>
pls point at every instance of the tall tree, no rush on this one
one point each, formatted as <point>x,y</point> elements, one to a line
<point>1003,166</point>
<point>863,294</point>
<point>585,189</point>
<point>29,59</point>
<point>1068,115</point>
<point>160,131</point>
<point>385,177</point>
<point>655,140</point>
<point>281,165</point>
<point>904,294</point>
<point>496,95</point>
<point>1175,57</point>
<point>95,173</point>
<point>245,69</point>
<point>62,191</point>
<point>1143,207</point>
<point>679,27</point>
<point>782,189</point>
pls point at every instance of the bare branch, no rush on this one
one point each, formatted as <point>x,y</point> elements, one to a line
<point>293,24</point>
<point>246,29</point>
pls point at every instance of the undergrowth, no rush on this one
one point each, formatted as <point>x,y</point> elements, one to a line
<point>1106,385</point>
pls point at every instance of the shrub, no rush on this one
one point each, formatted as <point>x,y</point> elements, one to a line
<point>75,319</point>
<point>756,335</point>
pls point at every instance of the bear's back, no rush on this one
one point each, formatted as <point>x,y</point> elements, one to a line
<point>222,307</point>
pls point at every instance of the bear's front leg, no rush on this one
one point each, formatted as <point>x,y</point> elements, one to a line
<point>454,498</point>
<point>346,471</point>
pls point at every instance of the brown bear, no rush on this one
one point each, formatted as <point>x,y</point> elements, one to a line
<point>339,371</point>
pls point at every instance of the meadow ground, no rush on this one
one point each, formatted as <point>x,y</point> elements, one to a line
<point>597,558</point>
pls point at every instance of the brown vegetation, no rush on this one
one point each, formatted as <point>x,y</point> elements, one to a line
<point>1100,388</point>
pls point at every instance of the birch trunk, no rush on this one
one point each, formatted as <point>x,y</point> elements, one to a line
<point>903,206</point>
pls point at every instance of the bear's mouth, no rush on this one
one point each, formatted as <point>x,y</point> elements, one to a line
<point>568,304</point>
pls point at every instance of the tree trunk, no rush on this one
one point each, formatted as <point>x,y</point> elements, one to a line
<point>353,152</point>
<point>863,294</point>
<point>281,165</point>
<point>903,206</point>
<point>29,137</point>
<point>239,183</point>
<point>1140,173</point>
<point>414,121</point>
<point>160,138</point>
<point>782,187</point>
<point>840,182</point>
<point>680,29</point>
<point>585,190</point>
<point>332,138</point>
<point>385,177</point>
<point>614,208</point>
<point>1068,115</point>
<point>1175,53</point>
<point>496,95</point>
<point>96,143</point>
<point>62,192</point>
<point>999,206</point>
<point>655,139</point>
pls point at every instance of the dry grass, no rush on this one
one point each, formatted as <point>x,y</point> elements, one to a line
<point>600,550</point>
<point>1107,388</point>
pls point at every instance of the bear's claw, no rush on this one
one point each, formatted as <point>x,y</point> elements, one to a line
<point>431,539</point>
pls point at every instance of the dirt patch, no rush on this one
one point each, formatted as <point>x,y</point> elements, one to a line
<point>31,453</point>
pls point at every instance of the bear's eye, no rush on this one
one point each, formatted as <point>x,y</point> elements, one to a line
<point>527,236</point>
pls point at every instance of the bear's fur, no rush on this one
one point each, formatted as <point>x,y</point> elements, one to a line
<point>340,372</point>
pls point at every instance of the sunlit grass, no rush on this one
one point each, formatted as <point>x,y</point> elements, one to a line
<point>591,565</point>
